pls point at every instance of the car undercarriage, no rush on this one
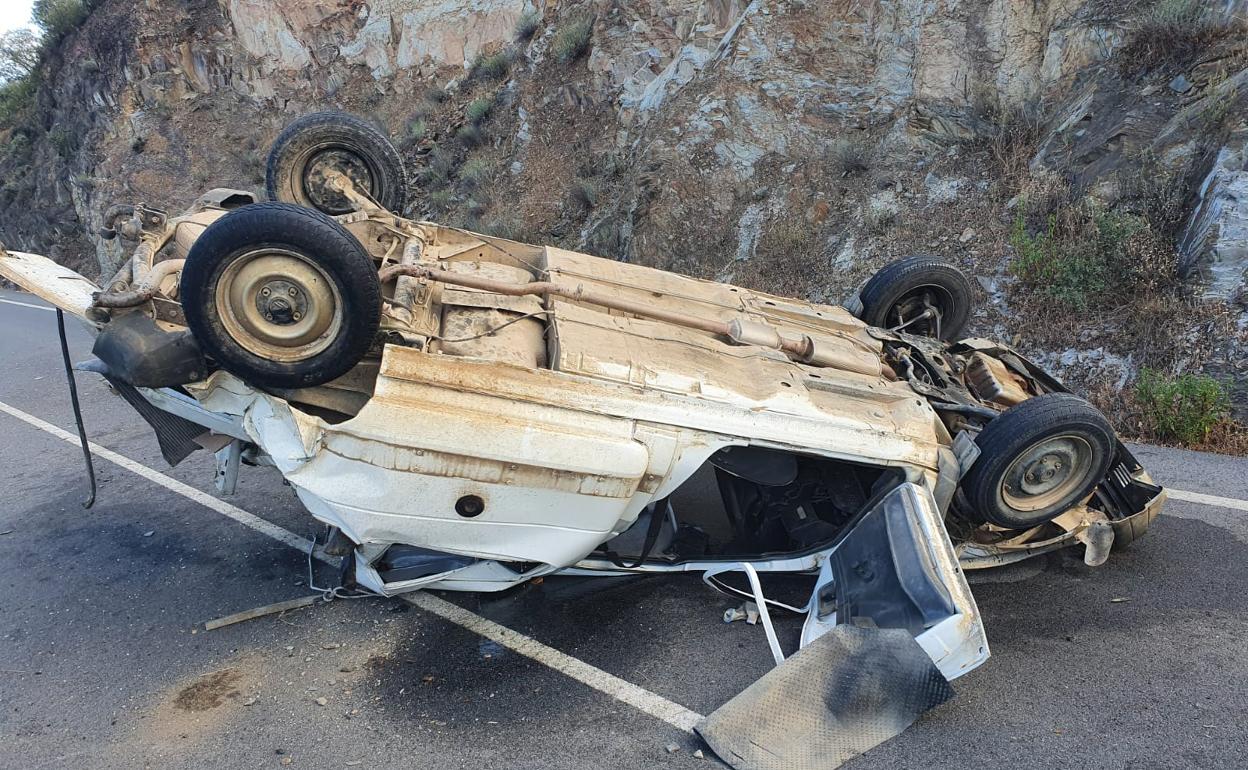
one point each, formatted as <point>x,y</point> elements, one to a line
<point>465,412</point>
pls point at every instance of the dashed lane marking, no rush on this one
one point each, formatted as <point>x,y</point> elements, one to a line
<point>26,304</point>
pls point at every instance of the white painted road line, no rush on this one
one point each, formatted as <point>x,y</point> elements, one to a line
<point>26,304</point>
<point>1203,499</point>
<point>640,698</point>
<point>173,485</point>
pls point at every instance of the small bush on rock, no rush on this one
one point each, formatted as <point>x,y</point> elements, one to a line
<point>1175,32</point>
<point>526,26</point>
<point>491,66</point>
<point>572,40</point>
<point>478,110</point>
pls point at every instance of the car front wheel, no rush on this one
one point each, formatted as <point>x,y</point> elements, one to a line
<point>1037,459</point>
<point>281,296</point>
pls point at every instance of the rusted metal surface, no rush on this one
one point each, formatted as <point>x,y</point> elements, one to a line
<point>49,281</point>
<point>804,347</point>
<point>145,289</point>
<point>993,381</point>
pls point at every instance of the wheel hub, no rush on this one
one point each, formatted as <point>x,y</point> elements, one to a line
<point>281,302</point>
<point>920,311</point>
<point>1047,472</point>
<point>278,305</point>
<point>321,166</point>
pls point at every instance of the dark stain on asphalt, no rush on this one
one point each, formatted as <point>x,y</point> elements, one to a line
<point>444,673</point>
<point>208,692</point>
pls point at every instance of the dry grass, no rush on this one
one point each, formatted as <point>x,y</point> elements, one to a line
<point>584,194</point>
<point>849,156</point>
<point>469,136</point>
<point>789,259</point>
<point>572,40</point>
<point>438,171</point>
<point>1175,32</point>
<point>1162,195</point>
<point>1009,133</point>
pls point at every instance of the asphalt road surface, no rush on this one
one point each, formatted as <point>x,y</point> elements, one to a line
<point>104,661</point>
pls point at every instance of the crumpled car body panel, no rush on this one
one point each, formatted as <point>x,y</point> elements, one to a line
<point>498,456</point>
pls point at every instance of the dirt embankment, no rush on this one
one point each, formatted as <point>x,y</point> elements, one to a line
<point>1084,160</point>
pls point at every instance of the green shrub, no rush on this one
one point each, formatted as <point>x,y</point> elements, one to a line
<point>1183,408</point>
<point>1082,253</point>
<point>64,141</point>
<point>526,26</point>
<point>469,135</point>
<point>440,200</point>
<point>491,66</point>
<point>476,171</point>
<point>20,147</point>
<point>16,97</point>
<point>478,110</point>
<point>572,40</point>
<point>417,129</point>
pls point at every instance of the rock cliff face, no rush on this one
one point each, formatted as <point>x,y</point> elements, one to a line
<point>795,145</point>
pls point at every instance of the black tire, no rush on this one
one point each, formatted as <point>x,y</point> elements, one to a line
<point>1046,434</point>
<point>900,285</point>
<point>306,236</point>
<point>341,141</point>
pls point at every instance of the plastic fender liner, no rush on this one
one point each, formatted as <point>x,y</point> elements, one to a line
<point>142,354</point>
<point>847,691</point>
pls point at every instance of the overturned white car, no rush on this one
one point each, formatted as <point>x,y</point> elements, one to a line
<point>468,412</point>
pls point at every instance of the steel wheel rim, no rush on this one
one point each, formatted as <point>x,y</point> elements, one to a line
<point>278,305</point>
<point>905,314</point>
<point>1047,472</point>
<point>312,177</point>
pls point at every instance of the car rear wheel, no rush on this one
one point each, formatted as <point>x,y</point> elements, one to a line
<point>919,295</point>
<point>307,153</point>
<point>1038,459</point>
<point>281,296</point>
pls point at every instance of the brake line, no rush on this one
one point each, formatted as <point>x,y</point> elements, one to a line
<point>756,587</point>
<point>73,399</point>
<point>329,593</point>
<point>724,588</point>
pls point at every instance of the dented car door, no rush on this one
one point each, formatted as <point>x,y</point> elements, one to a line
<point>897,569</point>
<point>891,621</point>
